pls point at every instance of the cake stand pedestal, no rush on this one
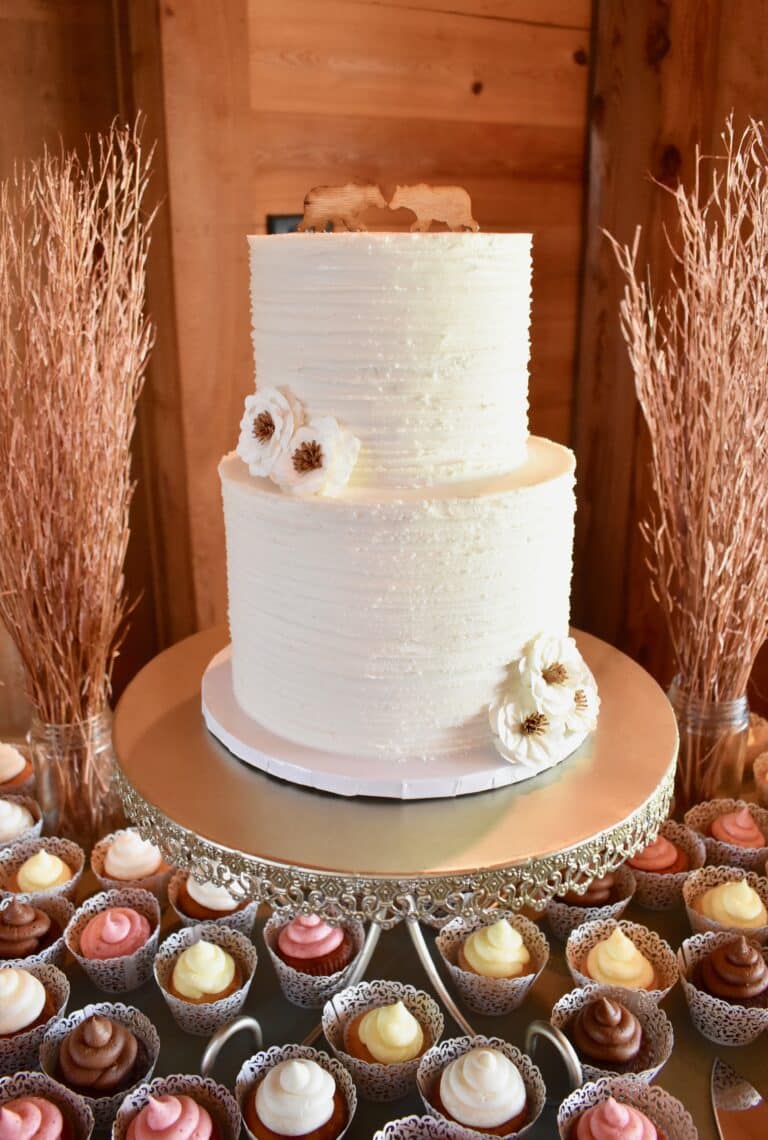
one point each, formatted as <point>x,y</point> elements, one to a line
<point>387,861</point>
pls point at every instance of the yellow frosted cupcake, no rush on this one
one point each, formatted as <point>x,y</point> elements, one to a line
<point>733,904</point>
<point>43,871</point>
<point>386,1035</point>
<point>496,951</point>
<point>616,961</point>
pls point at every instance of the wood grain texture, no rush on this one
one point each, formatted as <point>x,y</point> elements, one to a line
<point>560,13</point>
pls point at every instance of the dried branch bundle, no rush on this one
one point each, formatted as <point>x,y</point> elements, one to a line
<point>700,358</point>
<point>74,342</point>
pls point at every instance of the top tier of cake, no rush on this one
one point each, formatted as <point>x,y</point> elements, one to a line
<point>417,343</point>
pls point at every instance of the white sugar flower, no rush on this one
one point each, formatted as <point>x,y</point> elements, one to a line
<point>319,459</point>
<point>552,668</point>
<point>269,421</point>
<point>522,733</point>
<point>581,718</point>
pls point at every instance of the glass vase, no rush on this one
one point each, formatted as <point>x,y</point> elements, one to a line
<point>74,768</point>
<point>713,747</point>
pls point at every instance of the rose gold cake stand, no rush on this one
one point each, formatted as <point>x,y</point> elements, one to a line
<point>387,861</point>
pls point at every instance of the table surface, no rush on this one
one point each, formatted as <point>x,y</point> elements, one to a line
<point>686,1074</point>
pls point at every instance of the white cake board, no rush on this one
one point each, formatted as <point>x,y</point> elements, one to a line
<point>418,778</point>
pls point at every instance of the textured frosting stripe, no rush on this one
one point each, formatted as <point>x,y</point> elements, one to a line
<point>417,343</point>
<point>451,589</point>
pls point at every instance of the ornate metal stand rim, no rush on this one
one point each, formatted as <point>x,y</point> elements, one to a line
<point>529,883</point>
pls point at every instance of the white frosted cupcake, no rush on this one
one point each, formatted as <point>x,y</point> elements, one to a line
<point>63,1115</point>
<point>124,859</point>
<point>17,776</point>
<point>622,954</point>
<point>32,998</point>
<point>727,898</point>
<point>293,1090</point>
<point>41,868</point>
<point>195,901</point>
<point>20,819</point>
<point>493,965</point>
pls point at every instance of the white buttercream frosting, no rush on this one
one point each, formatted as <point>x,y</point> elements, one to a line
<point>295,1097</point>
<point>22,999</point>
<point>14,819</point>
<point>130,857</point>
<point>482,1089</point>
<point>12,763</point>
<point>417,343</point>
<point>210,895</point>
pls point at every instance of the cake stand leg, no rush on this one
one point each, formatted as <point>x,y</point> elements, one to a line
<point>357,972</point>
<point>432,973</point>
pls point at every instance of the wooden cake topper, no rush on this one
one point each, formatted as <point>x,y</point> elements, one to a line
<point>340,206</point>
<point>449,204</point>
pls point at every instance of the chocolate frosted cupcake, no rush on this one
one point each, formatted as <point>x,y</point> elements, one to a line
<point>25,930</point>
<point>600,892</point>
<point>99,1057</point>
<point>736,972</point>
<point>606,1032</point>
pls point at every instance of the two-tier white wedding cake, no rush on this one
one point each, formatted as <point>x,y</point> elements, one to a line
<point>398,546</point>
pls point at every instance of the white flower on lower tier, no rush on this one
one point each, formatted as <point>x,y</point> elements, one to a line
<point>581,718</point>
<point>269,422</point>
<point>319,459</point>
<point>522,732</point>
<point>553,669</point>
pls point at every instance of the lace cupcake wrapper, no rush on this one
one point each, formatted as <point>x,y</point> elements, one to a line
<point>206,1018</point>
<point>73,1108</point>
<point>720,854</point>
<point>104,1108</point>
<point>436,1059</point>
<point>241,920</point>
<point>33,807</point>
<point>670,1117</point>
<point>658,952</point>
<point>22,1050</point>
<point>60,910</point>
<point>117,975</point>
<point>306,990</point>
<point>563,918</point>
<point>12,858</point>
<point>658,1036</point>
<point>218,1101</point>
<point>708,877</point>
<point>663,892</point>
<point>723,1022</point>
<point>492,996</point>
<point>256,1068</point>
<point>156,884</point>
<point>375,1081</point>
<point>423,1128</point>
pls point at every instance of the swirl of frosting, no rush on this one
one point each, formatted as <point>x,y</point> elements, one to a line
<point>734,903</point>
<point>97,1054</point>
<point>22,1000</point>
<point>12,763</point>
<point>308,936</point>
<point>497,951</point>
<point>114,933</point>
<point>657,857</point>
<point>482,1089</point>
<point>202,969</point>
<point>391,1034</point>
<point>130,857</point>
<point>30,1118</point>
<point>613,1121</point>
<point>14,819</point>
<point>295,1097</point>
<point>210,895</point>
<point>171,1118</point>
<point>22,929</point>
<point>616,961</point>
<point>735,971</point>
<point>606,1030</point>
<point>42,872</point>
<point>737,828</point>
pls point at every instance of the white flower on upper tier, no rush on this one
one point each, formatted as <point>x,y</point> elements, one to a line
<point>269,421</point>
<point>319,459</point>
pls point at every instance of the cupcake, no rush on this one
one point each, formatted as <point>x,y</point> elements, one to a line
<point>26,930</point>
<point>614,1031</point>
<point>661,868</point>
<point>296,1097</point>
<point>310,945</point>
<point>661,857</point>
<point>482,1084</point>
<point>124,859</point>
<point>733,831</point>
<point>178,1117</point>
<point>16,773</point>
<point>34,1107</point>
<point>614,1118</point>
<point>725,982</point>
<point>423,1128</point>
<point>379,1030</point>
<point>308,985</point>
<point>726,898</point>
<point>32,998</point>
<point>178,1108</point>
<point>493,966</point>
<point>20,818</point>
<point>623,1107</point>
<point>623,955</point>
<point>114,937</point>
<point>203,901</point>
<point>604,898</point>
<point>41,867</point>
<point>204,973</point>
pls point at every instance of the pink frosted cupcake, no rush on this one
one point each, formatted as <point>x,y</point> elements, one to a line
<point>114,933</point>
<point>312,946</point>
<point>735,833</point>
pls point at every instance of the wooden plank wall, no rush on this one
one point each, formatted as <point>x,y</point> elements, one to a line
<point>263,100</point>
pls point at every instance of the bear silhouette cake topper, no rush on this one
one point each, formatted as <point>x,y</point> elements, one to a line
<point>342,207</point>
